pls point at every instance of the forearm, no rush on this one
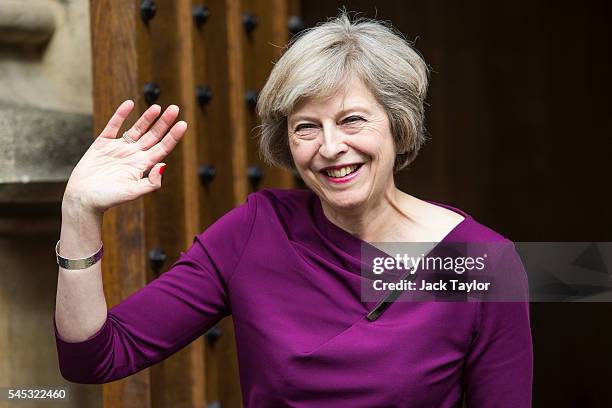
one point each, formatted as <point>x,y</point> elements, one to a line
<point>80,309</point>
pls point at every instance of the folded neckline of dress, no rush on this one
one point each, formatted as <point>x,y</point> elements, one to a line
<point>351,245</point>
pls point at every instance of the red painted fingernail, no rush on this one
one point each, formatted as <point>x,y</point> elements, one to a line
<point>162,168</point>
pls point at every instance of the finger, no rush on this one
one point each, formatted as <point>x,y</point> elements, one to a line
<point>168,143</point>
<point>116,121</point>
<point>160,127</point>
<point>144,122</point>
<point>152,181</point>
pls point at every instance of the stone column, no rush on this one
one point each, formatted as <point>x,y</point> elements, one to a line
<point>45,96</point>
<point>45,127</point>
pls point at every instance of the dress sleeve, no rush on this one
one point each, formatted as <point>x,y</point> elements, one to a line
<point>499,365</point>
<point>168,313</point>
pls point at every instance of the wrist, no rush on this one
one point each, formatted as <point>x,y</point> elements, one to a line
<point>73,205</point>
<point>81,230</point>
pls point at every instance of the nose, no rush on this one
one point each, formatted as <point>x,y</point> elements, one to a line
<point>333,144</point>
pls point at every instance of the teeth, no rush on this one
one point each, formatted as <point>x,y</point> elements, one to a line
<point>341,172</point>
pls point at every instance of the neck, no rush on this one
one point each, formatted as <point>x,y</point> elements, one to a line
<point>374,220</point>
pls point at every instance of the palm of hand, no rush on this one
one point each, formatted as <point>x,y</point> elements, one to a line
<point>111,171</point>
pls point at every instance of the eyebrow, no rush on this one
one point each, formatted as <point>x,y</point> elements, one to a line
<point>340,114</point>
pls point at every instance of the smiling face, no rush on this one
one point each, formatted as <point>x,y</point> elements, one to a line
<point>342,146</point>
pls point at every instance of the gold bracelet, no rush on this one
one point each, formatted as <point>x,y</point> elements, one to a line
<point>77,263</point>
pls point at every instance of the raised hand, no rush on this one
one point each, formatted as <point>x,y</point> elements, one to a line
<point>111,171</point>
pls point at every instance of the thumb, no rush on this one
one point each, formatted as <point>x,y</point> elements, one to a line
<point>154,180</point>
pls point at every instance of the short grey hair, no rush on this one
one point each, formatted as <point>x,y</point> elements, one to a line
<point>320,60</point>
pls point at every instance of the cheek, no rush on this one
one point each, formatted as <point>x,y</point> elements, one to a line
<point>302,152</point>
<point>374,138</point>
<point>374,144</point>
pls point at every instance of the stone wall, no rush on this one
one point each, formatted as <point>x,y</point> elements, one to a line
<point>45,127</point>
<point>45,96</point>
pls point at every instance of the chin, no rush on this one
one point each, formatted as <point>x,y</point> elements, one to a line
<point>345,199</point>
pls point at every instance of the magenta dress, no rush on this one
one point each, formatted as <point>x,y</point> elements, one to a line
<point>291,280</point>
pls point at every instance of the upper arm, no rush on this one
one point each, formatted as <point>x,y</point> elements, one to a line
<point>169,312</point>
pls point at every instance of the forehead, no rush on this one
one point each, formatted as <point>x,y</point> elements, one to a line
<point>353,93</point>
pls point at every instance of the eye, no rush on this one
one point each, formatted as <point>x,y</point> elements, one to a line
<point>304,126</point>
<point>353,119</point>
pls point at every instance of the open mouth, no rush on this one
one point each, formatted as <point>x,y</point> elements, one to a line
<point>343,173</point>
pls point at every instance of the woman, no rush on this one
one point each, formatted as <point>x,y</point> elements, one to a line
<point>344,107</point>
